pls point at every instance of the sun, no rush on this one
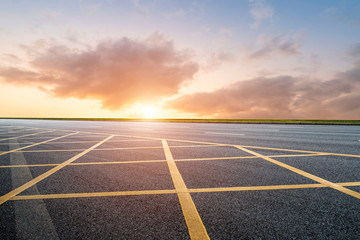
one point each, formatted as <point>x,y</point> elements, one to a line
<point>149,111</point>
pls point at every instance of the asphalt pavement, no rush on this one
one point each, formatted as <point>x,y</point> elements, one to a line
<point>158,180</point>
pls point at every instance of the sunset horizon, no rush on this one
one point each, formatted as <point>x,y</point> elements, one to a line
<point>255,59</point>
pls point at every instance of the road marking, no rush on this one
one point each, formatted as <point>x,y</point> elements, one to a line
<point>322,133</point>
<point>115,148</point>
<point>152,161</point>
<point>111,141</point>
<point>35,144</point>
<point>97,149</point>
<point>172,191</point>
<point>35,138</point>
<point>193,221</point>
<point>294,150</point>
<point>221,133</point>
<point>93,194</point>
<point>20,189</point>
<point>283,127</point>
<point>198,142</point>
<point>1,133</point>
<point>248,157</point>
<point>16,143</point>
<point>84,163</point>
<point>272,187</point>
<point>25,135</point>
<point>305,174</point>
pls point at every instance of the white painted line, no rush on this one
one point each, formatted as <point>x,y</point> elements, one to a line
<point>220,133</point>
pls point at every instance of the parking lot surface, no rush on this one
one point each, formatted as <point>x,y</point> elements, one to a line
<point>153,180</point>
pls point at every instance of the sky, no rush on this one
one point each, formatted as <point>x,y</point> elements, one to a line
<point>247,59</point>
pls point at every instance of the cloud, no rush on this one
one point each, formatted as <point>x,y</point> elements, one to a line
<point>216,59</point>
<point>276,44</point>
<point>260,12</point>
<point>116,72</point>
<point>141,8</point>
<point>354,51</point>
<point>279,97</point>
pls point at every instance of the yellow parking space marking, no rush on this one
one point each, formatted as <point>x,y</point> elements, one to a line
<point>305,174</point>
<point>35,138</point>
<point>97,149</point>
<point>111,141</point>
<point>247,157</point>
<point>271,187</point>
<point>193,221</point>
<point>82,163</point>
<point>1,133</point>
<point>20,189</point>
<point>30,165</point>
<point>28,143</point>
<point>256,188</point>
<point>35,144</point>
<point>109,149</point>
<point>93,194</point>
<point>25,135</point>
<point>293,150</point>
<point>197,146</point>
<point>267,148</point>
<point>153,161</point>
<point>173,191</point>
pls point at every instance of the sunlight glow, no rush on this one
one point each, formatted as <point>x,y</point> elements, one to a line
<point>149,111</point>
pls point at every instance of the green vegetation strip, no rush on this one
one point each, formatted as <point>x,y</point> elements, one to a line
<point>199,120</point>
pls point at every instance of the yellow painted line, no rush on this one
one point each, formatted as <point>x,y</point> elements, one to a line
<point>197,146</point>
<point>35,138</point>
<point>350,184</point>
<point>94,194</point>
<point>272,187</point>
<point>210,159</point>
<point>35,144</point>
<point>24,136</point>
<point>97,149</point>
<point>30,165</point>
<point>53,150</point>
<point>172,191</point>
<point>122,162</point>
<point>81,164</point>
<point>193,221</point>
<point>305,174</point>
<point>211,143</point>
<point>293,150</point>
<point>28,143</point>
<point>255,188</point>
<point>247,157</point>
<point>111,141</point>
<point>20,189</point>
<point>154,161</point>
<point>268,148</point>
<point>15,131</point>
<point>101,149</point>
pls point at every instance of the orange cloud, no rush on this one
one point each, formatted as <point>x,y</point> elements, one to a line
<point>280,97</point>
<point>116,72</point>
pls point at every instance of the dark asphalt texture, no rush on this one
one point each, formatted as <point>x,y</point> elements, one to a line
<point>312,213</point>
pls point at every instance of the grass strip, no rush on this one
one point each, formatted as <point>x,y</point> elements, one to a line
<point>203,120</point>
